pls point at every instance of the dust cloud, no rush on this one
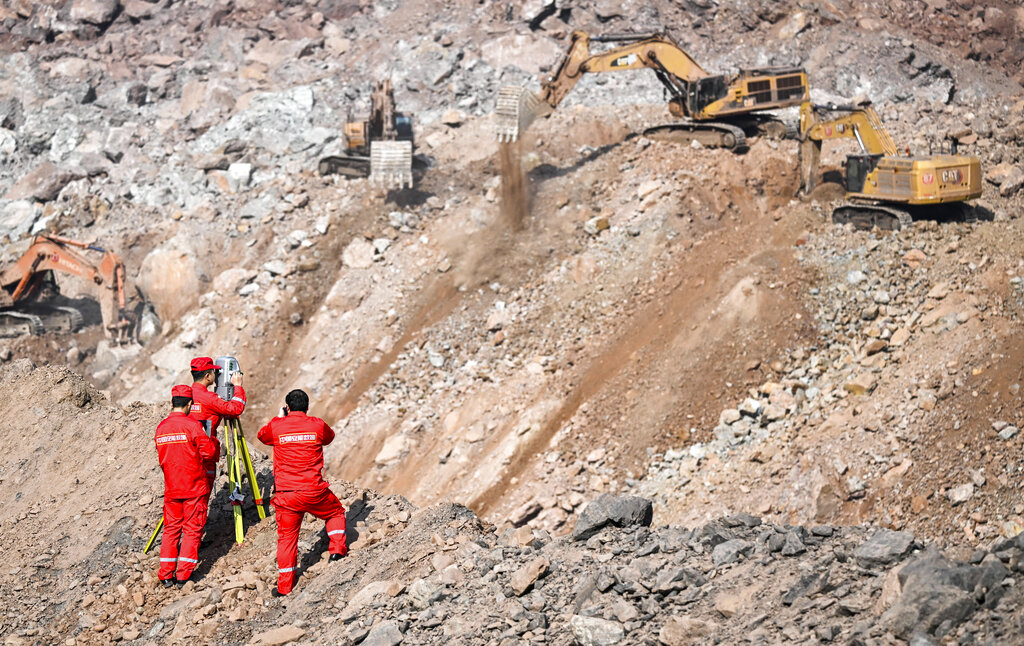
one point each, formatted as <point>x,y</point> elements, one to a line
<point>514,200</point>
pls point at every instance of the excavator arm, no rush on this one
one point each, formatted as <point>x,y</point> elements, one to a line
<point>518,108</point>
<point>673,66</point>
<point>24,278</point>
<point>853,122</point>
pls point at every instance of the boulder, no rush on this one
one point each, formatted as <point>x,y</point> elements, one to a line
<point>960,494</point>
<point>731,552</point>
<point>938,592</point>
<point>1013,182</point>
<point>609,509</point>
<point>686,631</point>
<point>883,548</point>
<point>231,280</point>
<point>17,218</point>
<point>358,254</point>
<point>424,592</point>
<point>278,636</point>
<point>386,633</point>
<point>96,12</point>
<point>453,117</point>
<point>594,631</point>
<point>169,277</point>
<point>43,183</point>
<point>12,114</point>
<point>524,578</point>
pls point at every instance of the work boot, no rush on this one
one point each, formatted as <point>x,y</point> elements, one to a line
<point>336,557</point>
<point>277,593</point>
<point>167,583</point>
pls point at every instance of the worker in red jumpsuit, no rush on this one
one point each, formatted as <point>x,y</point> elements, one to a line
<point>207,407</point>
<point>183,449</point>
<point>299,487</point>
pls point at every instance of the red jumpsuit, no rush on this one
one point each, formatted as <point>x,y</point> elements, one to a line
<point>207,406</point>
<point>299,487</point>
<point>183,447</point>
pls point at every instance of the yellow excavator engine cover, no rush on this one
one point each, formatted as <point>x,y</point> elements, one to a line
<point>922,180</point>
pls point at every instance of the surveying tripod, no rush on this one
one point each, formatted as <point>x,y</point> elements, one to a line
<point>239,461</point>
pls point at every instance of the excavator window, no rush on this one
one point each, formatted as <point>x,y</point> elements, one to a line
<point>760,91</point>
<point>857,169</point>
<point>403,127</point>
<point>790,87</point>
<point>709,90</point>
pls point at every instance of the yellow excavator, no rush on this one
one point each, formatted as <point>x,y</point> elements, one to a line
<point>883,188</point>
<point>717,110</point>
<point>378,146</point>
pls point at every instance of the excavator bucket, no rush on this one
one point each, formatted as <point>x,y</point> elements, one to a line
<point>515,109</point>
<point>391,163</point>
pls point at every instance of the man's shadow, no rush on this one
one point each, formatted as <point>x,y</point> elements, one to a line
<point>359,510</point>
<point>219,534</point>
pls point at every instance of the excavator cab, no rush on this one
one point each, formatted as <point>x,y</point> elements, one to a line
<point>857,169</point>
<point>704,92</point>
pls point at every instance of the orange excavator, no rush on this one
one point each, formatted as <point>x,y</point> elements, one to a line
<point>30,296</point>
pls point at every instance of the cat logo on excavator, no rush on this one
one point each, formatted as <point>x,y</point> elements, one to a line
<point>952,176</point>
<point>624,61</point>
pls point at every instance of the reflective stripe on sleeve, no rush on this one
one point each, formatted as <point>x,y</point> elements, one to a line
<point>182,558</point>
<point>285,569</point>
<point>237,399</point>
<point>337,531</point>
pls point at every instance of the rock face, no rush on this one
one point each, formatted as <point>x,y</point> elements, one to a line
<point>620,511</point>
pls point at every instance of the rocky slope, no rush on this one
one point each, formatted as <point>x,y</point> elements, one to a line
<point>436,574</point>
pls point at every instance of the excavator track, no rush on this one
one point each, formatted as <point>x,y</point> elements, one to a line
<point>59,318</point>
<point>391,163</point>
<point>40,319</point>
<point>867,216</point>
<point>346,165</point>
<point>15,324</point>
<point>710,134</point>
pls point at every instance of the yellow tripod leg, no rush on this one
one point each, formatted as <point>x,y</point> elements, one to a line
<point>234,481</point>
<point>251,472</point>
<point>152,539</point>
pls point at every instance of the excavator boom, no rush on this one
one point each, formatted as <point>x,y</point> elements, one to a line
<point>856,122</point>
